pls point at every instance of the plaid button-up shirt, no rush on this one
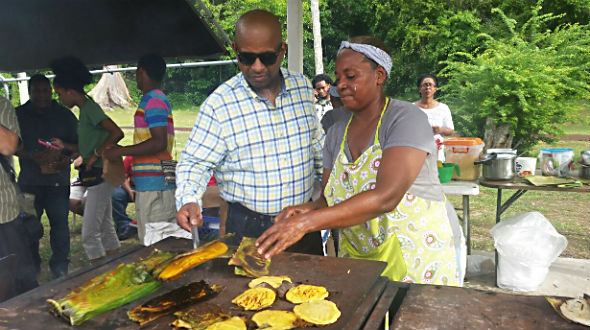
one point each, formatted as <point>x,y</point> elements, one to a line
<point>263,156</point>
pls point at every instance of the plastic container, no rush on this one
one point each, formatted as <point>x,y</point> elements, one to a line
<point>464,151</point>
<point>445,173</point>
<point>557,162</point>
<point>526,166</point>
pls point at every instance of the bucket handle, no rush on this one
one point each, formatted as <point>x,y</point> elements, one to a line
<point>458,150</point>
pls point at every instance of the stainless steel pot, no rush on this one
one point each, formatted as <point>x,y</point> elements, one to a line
<point>498,166</point>
<point>585,171</point>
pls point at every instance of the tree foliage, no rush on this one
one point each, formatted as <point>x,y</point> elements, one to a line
<point>527,80</point>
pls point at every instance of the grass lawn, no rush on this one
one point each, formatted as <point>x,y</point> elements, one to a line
<point>568,212</point>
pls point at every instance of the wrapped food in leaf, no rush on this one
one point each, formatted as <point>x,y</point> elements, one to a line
<point>275,319</point>
<point>183,262</point>
<point>255,299</point>
<point>156,258</point>
<point>572,309</point>
<point>200,316</point>
<point>274,281</point>
<point>319,312</point>
<point>304,293</point>
<point>173,301</point>
<point>235,323</point>
<point>248,261</point>
<point>122,285</point>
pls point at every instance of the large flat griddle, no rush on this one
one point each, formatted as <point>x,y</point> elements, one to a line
<point>354,285</point>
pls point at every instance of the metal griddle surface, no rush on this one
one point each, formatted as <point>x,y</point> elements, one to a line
<point>354,285</point>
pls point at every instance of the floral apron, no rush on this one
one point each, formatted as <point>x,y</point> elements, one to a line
<point>415,238</point>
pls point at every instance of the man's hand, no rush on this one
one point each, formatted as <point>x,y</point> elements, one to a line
<point>112,152</point>
<point>189,214</point>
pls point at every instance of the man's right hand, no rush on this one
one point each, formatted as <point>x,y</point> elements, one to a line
<point>189,213</point>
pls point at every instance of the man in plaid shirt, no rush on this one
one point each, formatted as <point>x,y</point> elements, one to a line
<point>258,134</point>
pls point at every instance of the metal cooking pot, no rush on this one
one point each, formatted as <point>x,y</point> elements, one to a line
<point>498,166</point>
<point>585,171</point>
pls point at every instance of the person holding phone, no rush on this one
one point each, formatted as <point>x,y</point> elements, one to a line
<point>45,170</point>
<point>96,132</point>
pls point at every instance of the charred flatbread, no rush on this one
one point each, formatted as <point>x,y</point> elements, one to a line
<point>200,316</point>
<point>172,301</point>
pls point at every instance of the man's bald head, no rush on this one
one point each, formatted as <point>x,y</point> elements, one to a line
<point>260,24</point>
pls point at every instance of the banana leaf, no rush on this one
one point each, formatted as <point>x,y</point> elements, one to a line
<point>248,261</point>
<point>200,316</point>
<point>174,268</point>
<point>108,291</point>
<point>173,301</point>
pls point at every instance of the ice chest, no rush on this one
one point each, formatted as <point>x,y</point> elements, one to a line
<point>464,151</point>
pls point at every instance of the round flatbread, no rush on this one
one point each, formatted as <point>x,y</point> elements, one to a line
<point>255,299</point>
<point>275,319</point>
<point>304,292</point>
<point>274,281</point>
<point>319,312</point>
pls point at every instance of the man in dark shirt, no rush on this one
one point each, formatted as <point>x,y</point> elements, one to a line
<point>45,172</point>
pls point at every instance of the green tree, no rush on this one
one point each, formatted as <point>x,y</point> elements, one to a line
<point>518,89</point>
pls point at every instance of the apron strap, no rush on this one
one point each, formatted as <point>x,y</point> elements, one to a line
<point>376,132</point>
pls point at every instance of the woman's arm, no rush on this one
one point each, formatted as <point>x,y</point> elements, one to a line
<point>399,168</point>
<point>115,135</point>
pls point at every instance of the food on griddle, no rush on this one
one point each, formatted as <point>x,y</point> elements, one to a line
<point>248,261</point>
<point>180,264</point>
<point>110,290</point>
<point>275,319</point>
<point>255,299</point>
<point>173,301</point>
<point>575,310</point>
<point>274,281</point>
<point>319,312</point>
<point>235,323</point>
<point>284,288</point>
<point>304,293</point>
<point>200,316</point>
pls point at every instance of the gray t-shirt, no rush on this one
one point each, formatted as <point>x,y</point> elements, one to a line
<point>402,125</point>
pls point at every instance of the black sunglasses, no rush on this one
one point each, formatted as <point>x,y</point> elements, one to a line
<point>267,58</point>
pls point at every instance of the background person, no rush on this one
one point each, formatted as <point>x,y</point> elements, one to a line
<point>438,113</point>
<point>13,235</point>
<point>45,172</point>
<point>96,131</point>
<point>153,139</point>
<point>321,85</point>
<point>258,134</point>
<point>385,198</point>
<point>122,196</point>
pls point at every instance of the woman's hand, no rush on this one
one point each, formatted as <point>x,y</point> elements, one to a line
<point>281,235</point>
<point>90,161</point>
<point>293,210</point>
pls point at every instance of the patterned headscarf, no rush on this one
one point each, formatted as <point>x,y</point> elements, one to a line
<point>374,53</point>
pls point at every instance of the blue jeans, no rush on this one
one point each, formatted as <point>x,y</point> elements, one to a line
<point>244,222</point>
<point>55,202</point>
<point>120,200</point>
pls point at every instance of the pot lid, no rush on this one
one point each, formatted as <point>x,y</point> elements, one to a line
<point>506,156</point>
<point>501,151</point>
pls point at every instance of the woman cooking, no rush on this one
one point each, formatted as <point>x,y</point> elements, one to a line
<point>380,180</point>
<point>438,113</point>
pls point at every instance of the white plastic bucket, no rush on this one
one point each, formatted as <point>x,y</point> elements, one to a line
<point>526,166</point>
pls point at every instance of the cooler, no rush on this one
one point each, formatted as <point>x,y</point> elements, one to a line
<point>464,151</point>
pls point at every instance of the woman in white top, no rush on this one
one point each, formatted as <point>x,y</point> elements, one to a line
<point>439,114</point>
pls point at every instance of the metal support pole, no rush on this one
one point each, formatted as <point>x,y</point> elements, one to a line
<point>498,213</point>
<point>466,226</point>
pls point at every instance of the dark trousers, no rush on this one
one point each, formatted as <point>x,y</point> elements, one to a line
<point>245,222</point>
<point>120,201</point>
<point>17,272</point>
<point>55,202</point>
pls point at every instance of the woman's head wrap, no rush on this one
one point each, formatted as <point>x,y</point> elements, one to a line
<point>374,53</point>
